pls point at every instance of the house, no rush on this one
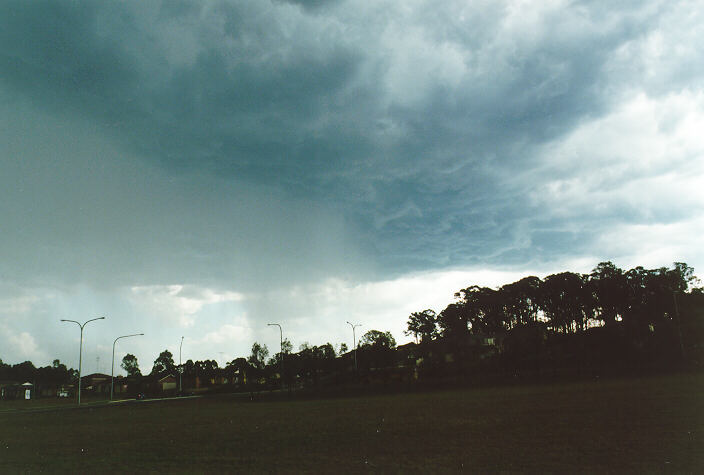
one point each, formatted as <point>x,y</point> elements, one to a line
<point>126,384</point>
<point>97,382</point>
<point>14,390</point>
<point>168,383</point>
<point>10,389</point>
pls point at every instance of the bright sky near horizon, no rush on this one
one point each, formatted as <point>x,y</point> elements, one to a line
<point>202,168</point>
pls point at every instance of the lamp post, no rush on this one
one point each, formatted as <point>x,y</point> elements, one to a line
<point>80,350</point>
<point>679,327</point>
<point>281,335</point>
<point>354,342</point>
<point>180,368</point>
<point>112,371</point>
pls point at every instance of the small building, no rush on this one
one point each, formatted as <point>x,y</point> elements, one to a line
<point>28,390</point>
<point>97,382</point>
<point>11,390</point>
<point>123,385</point>
<point>7,389</point>
<point>168,383</point>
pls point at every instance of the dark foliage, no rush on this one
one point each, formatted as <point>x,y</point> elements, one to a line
<point>607,321</point>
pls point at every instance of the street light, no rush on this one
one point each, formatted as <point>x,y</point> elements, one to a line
<point>281,334</point>
<point>354,342</point>
<point>80,350</point>
<point>112,371</point>
<point>180,368</point>
<point>679,327</point>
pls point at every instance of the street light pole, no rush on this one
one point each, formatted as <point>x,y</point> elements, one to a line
<point>112,372</point>
<point>354,342</point>
<point>281,335</point>
<point>180,368</point>
<point>80,350</point>
<point>679,327</point>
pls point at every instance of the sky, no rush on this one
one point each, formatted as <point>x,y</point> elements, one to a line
<point>203,168</point>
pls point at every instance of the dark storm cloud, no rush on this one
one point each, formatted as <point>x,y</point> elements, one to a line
<point>313,5</point>
<point>203,165</point>
<point>243,107</point>
<point>412,125</point>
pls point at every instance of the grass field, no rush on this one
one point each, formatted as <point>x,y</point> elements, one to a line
<point>653,424</point>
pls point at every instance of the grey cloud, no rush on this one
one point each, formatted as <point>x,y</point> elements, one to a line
<point>266,147</point>
<point>300,100</point>
<point>76,210</point>
<point>313,5</point>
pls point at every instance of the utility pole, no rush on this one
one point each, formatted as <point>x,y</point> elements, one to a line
<point>112,372</point>
<point>180,369</point>
<point>679,327</point>
<point>354,342</point>
<point>281,335</point>
<point>80,350</point>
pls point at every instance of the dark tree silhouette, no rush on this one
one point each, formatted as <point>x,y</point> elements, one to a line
<point>453,321</point>
<point>130,365</point>
<point>258,356</point>
<point>484,310</point>
<point>608,320</point>
<point>376,349</point>
<point>24,371</point>
<point>377,339</point>
<point>164,364</point>
<point>189,369</point>
<point>287,346</point>
<point>238,369</point>
<point>609,285</point>
<point>275,360</point>
<point>565,302</point>
<point>522,300</point>
<point>205,371</point>
<point>422,325</point>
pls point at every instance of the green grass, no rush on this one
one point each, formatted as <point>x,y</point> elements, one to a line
<point>653,424</point>
<point>47,403</point>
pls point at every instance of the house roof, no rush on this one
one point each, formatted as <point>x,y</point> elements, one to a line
<point>96,376</point>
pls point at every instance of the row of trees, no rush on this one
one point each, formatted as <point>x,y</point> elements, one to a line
<point>306,366</point>
<point>650,310</point>
<point>57,373</point>
<point>566,302</point>
<point>609,320</point>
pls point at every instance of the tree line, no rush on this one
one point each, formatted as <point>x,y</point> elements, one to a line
<point>608,318</point>
<point>26,372</point>
<point>310,366</point>
<point>567,302</point>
